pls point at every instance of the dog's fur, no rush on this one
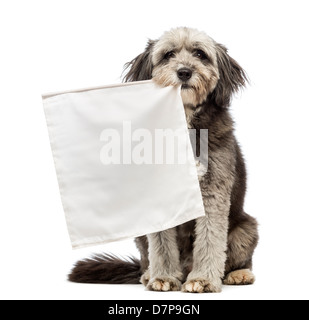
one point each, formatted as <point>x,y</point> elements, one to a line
<point>198,255</point>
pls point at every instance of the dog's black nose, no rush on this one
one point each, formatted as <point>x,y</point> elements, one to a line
<point>184,74</point>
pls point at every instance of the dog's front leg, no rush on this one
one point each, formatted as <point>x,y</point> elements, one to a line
<point>165,270</point>
<point>210,246</point>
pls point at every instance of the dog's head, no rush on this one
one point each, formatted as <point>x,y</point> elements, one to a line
<point>189,58</point>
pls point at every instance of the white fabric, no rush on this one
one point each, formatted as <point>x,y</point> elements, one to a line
<point>105,203</point>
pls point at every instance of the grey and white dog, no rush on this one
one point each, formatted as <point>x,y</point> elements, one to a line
<point>199,255</point>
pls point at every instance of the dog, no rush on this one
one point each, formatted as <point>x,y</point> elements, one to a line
<point>218,248</point>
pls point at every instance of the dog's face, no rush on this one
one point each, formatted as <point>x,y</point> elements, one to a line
<point>189,58</point>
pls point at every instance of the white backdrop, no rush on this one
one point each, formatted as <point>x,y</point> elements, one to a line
<point>60,45</point>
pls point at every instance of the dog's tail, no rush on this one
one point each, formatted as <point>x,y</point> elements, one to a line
<point>107,269</point>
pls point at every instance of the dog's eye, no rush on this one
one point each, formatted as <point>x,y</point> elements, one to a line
<point>200,54</point>
<point>169,55</point>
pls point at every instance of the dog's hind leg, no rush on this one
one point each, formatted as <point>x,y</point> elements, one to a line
<point>239,277</point>
<point>242,241</point>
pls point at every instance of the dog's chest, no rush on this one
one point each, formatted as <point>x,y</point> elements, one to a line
<point>191,112</point>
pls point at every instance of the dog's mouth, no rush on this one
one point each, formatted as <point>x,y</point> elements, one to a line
<point>185,86</point>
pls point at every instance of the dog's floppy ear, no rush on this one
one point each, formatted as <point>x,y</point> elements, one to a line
<point>232,78</point>
<point>141,67</point>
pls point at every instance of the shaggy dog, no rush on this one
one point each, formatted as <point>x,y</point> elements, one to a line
<point>199,255</point>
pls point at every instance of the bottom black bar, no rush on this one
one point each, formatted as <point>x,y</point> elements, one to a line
<point>152,309</point>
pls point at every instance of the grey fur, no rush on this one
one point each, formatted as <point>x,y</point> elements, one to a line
<point>165,268</point>
<point>232,77</point>
<point>210,246</point>
<point>140,68</point>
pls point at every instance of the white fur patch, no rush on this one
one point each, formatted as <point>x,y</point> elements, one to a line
<point>201,170</point>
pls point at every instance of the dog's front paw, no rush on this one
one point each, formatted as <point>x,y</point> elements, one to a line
<point>202,286</point>
<point>164,284</point>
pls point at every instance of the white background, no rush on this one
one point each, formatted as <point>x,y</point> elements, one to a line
<point>59,45</point>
